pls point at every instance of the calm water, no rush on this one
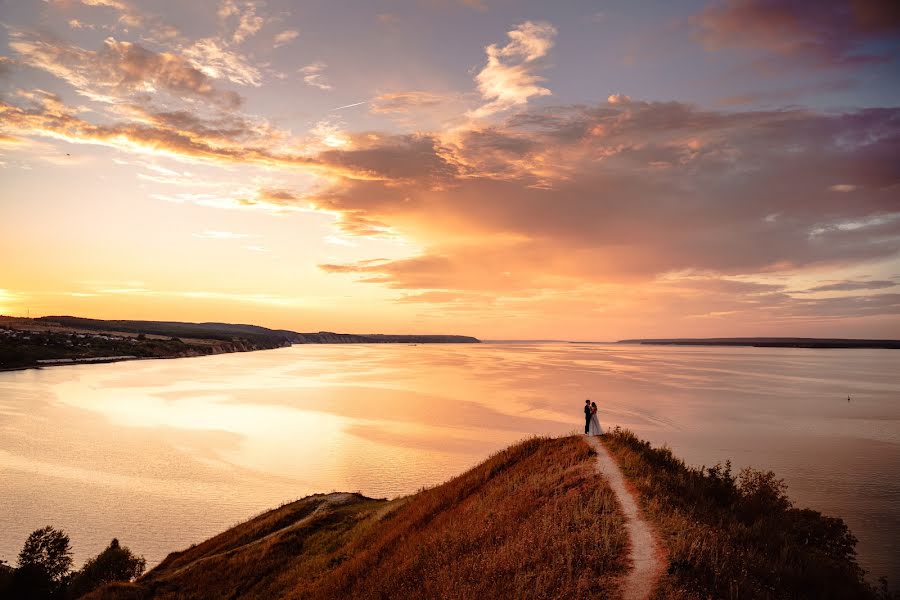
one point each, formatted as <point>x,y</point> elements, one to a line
<point>162,454</point>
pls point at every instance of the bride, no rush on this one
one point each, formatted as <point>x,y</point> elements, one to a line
<point>595,422</point>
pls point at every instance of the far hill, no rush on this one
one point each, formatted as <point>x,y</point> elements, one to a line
<point>536,520</point>
<point>770,342</point>
<point>228,331</point>
<point>62,340</point>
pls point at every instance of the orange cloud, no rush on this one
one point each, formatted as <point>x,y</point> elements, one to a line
<point>313,75</point>
<point>229,139</point>
<point>634,191</point>
<point>402,102</point>
<point>508,78</point>
<point>119,69</point>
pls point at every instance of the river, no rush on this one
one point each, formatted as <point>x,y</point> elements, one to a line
<point>164,453</point>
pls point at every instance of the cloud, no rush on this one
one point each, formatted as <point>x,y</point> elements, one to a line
<point>127,14</point>
<point>508,78</point>
<point>849,286</point>
<point>128,17</point>
<point>817,34</point>
<point>659,203</point>
<point>5,65</point>
<point>119,69</point>
<point>559,204</point>
<point>313,75</point>
<point>179,134</point>
<point>792,93</point>
<point>76,24</point>
<point>285,37</point>
<point>217,60</point>
<point>243,17</point>
<point>402,102</point>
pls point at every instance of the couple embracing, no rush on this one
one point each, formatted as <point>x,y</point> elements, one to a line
<point>591,422</point>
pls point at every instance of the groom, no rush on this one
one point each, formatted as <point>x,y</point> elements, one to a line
<point>587,415</point>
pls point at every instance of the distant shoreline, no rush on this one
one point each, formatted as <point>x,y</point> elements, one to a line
<point>771,342</point>
<point>65,340</point>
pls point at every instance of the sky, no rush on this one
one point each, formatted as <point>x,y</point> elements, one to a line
<point>509,170</point>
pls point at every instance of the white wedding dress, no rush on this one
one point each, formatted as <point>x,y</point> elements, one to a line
<point>594,428</point>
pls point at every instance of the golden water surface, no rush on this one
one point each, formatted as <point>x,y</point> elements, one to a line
<point>164,453</point>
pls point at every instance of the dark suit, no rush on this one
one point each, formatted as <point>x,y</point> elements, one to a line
<point>587,418</point>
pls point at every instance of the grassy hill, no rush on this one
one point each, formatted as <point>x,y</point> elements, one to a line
<point>533,521</point>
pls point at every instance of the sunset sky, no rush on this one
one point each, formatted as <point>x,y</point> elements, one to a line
<point>503,169</point>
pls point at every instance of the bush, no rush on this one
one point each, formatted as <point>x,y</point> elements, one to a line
<point>115,563</point>
<point>738,538</point>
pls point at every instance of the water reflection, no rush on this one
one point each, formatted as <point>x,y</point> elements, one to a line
<point>164,453</point>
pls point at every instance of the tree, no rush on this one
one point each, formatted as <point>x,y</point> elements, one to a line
<point>47,550</point>
<point>44,564</point>
<point>115,563</point>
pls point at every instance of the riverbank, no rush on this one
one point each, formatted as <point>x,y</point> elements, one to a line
<point>35,343</point>
<point>538,519</point>
<point>50,341</point>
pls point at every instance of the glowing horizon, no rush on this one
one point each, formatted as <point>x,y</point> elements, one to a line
<point>705,169</point>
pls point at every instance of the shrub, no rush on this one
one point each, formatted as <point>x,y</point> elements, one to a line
<point>115,563</point>
<point>738,538</point>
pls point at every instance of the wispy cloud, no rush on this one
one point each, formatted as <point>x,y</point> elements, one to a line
<point>851,286</point>
<point>243,15</point>
<point>402,102</point>
<point>217,60</point>
<point>508,79</point>
<point>118,70</point>
<point>285,37</point>
<point>127,13</point>
<point>313,75</point>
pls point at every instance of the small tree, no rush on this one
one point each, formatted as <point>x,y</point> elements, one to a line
<point>44,564</point>
<point>47,550</point>
<point>115,563</point>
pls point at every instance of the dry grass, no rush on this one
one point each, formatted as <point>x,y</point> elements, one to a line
<point>737,537</point>
<point>533,521</point>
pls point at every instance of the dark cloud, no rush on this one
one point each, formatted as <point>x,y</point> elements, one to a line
<point>627,193</point>
<point>831,33</point>
<point>415,158</point>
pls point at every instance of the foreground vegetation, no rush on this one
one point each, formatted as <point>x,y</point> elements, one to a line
<point>533,521</point>
<point>738,537</point>
<point>45,569</point>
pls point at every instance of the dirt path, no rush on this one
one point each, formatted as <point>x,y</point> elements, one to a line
<point>645,552</point>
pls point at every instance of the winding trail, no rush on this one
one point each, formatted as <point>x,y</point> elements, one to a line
<point>645,552</point>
